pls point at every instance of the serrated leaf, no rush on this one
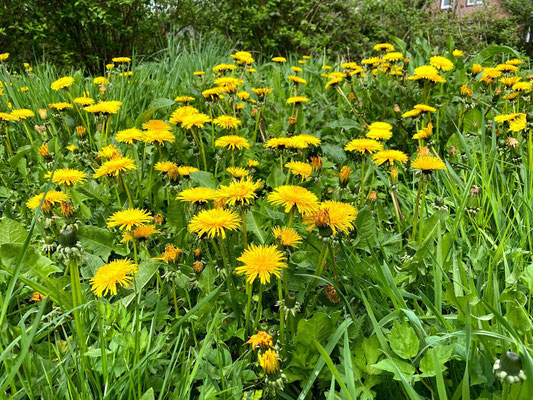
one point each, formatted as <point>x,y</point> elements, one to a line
<point>12,231</point>
<point>319,327</point>
<point>97,241</point>
<point>403,340</point>
<point>397,367</point>
<point>334,152</point>
<point>365,225</point>
<point>441,354</point>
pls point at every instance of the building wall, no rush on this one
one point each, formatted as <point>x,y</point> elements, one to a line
<point>461,8</point>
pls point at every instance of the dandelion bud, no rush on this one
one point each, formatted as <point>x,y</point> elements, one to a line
<point>423,151</point>
<point>466,91</point>
<point>292,120</point>
<point>476,69</point>
<point>497,91</point>
<point>331,293</point>
<point>66,209</point>
<point>452,150</point>
<point>396,108</point>
<point>159,219</point>
<point>373,196</point>
<point>101,89</point>
<point>42,113</point>
<point>321,221</point>
<point>37,297</point>
<point>512,142</point>
<point>474,190</point>
<point>197,253</point>
<point>44,152</point>
<point>198,267</point>
<point>407,60</point>
<point>316,163</point>
<point>80,130</point>
<point>254,111</point>
<point>344,175</point>
<point>352,96</point>
<point>394,173</point>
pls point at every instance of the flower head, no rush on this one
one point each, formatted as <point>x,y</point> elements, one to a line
<point>52,198</point>
<point>22,113</point>
<point>60,106</point>
<point>441,63</point>
<point>333,214</point>
<point>109,275</point>
<point>424,133</point>
<point>297,100</point>
<point>391,156</point>
<point>429,73</point>
<point>269,361</point>
<point>129,135</point>
<point>238,172</point>
<point>171,254</point>
<point>294,197</point>
<point>84,100</point>
<point>261,339</point>
<point>159,136</point>
<point>115,167</point>
<point>300,168</point>
<point>261,261</point>
<point>156,125</point>
<point>181,112</point>
<point>198,195</point>
<point>62,83</point>
<point>227,122</point>
<point>232,142</point>
<point>140,233</point>
<point>214,222</point>
<point>286,236</point>
<point>130,218</point>
<point>169,168</point>
<point>104,107</point>
<point>195,121</point>
<point>364,146</point>
<point>428,164</point>
<point>238,192</point>
<point>67,176</point>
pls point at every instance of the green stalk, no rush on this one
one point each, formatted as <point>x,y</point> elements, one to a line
<point>415,216</point>
<point>423,204</point>
<point>229,279</point>
<point>259,306</point>
<point>248,307</point>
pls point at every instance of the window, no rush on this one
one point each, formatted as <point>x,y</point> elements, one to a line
<point>445,4</point>
<point>473,2</point>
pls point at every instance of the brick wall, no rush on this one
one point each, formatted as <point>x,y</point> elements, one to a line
<point>461,8</point>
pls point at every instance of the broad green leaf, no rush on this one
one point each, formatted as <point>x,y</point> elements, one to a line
<point>253,223</point>
<point>403,340</point>
<point>204,178</point>
<point>334,152</point>
<point>153,107</point>
<point>97,241</point>
<point>12,232</point>
<point>441,354</point>
<point>365,225</point>
<point>394,365</point>
<point>319,327</point>
<point>276,177</point>
<point>527,278</point>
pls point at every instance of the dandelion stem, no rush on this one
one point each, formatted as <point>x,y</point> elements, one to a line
<point>415,216</point>
<point>127,191</point>
<point>259,306</point>
<point>248,306</point>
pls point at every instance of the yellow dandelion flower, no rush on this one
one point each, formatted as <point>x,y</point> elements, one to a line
<point>393,56</point>
<point>424,133</point>
<point>67,176</point>
<point>339,216</point>
<point>510,80</point>
<point>333,82</point>
<point>243,95</point>
<point>238,172</point>
<point>519,123</point>
<point>424,108</point>
<point>213,93</point>
<point>177,116</point>
<point>195,121</point>
<point>121,59</point>
<point>261,92</point>
<point>167,167</point>
<point>384,47</point>
<point>62,83</point>
<point>108,276</point>
<point>186,170</point>
<point>158,136</point>
<point>427,72</point>
<point>232,142</point>
<point>261,339</point>
<point>22,113</point>
<point>279,59</point>
<point>109,152</point>
<point>391,156</point>
<point>286,236</point>
<point>115,167</point>
<point>224,67</point>
<point>227,122</point>
<point>130,218</point>
<point>60,106</point>
<point>476,69</point>
<point>184,99</point>
<point>427,164</point>
<point>261,262</point>
<point>458,53</point>
<point>129,135</point>
<point>156,125</point>
<point>411,113</point>
<point>52,199</point>
<point>214,222</point>
<point>4,56</point>
<point>300,168</point>
<point>466,91</point>
<point>140,233</point>
<point>297,80</point>
<point>44,152</point>
<point>489,74</point>
<point>100,80</point>
<point>519,86</point>
<point>84,101</point>
<point>238,193</point>
<point>104,107</point>
<point>197,195</point>
<point>171,254</point>
<point>297,100</point>
<point>198,73</point>
<point>292,197</point>
<point>441,63</point>
<point>252,163</point>
<point>363,146</point>
<point>269,361</point>
<point>8,117</point>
